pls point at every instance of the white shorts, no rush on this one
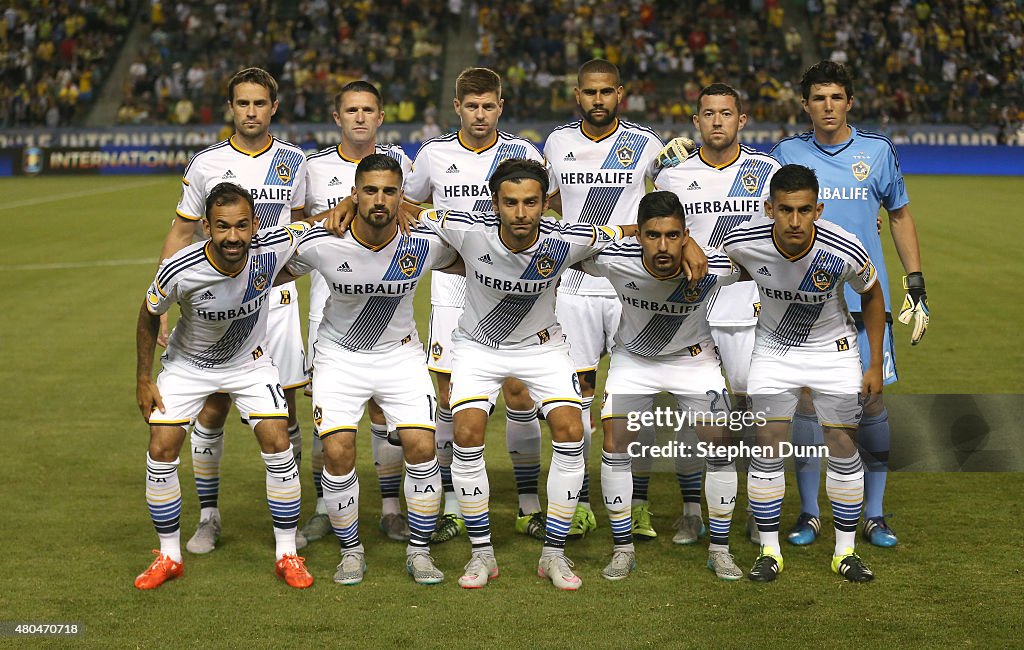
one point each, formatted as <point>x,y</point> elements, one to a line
<point>479,371</point>
<point>735,347</point>
<point>397,380</point>
<point>443,321</point>
<point>589,324</point>
<point>284,336</point>
<point>254,387</point>
<point>834,379</point>
<point>633,382</point>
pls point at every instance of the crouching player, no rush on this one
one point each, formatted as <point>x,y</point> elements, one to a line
<point>221,286</point>
<point>367,347</point>
<point>805,338</point>
<point>663,344</point>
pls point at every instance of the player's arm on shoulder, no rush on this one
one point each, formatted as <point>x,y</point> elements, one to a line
<point>455,267</point>
<point>695,262</point>
<point>873,312</point>
<point>147,395</point>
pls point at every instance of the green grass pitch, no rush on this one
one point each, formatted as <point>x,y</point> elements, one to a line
<point>78,256</point>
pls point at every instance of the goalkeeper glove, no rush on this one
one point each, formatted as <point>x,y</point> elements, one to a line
<point>676,151</point>
<point>915,306</point>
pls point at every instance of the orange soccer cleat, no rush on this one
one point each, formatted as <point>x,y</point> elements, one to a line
<point>160,571</point>
<point>293,569</point>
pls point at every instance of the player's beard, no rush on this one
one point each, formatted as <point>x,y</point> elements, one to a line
<point>232,255</point>
<point>379,217</point>
<point>608,118</point>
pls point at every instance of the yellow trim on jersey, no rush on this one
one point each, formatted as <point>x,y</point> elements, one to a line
<point>614,416</point>
<point>185,181</point>
<point>661,277</point>
<point>439,371</point>
<point>466,400</point>
<point>833,425</point>
<point>513,250</point>
<point>426,427</point>
<point>324,434</point>
<point>168,423</point>
<point>778,419</point>
<point>299,385</point>
<point>206,252</point>
<point>574,400</point>
<point>346,158</point>
<point>186,217</point>
<point>267,416</point>
<point>579,370</point>
<point>372,247</point>
<point>794,258</point>
<point>251,154</point>
<point>700,154</point>
<point>592,138</point>
<point>481,149</point>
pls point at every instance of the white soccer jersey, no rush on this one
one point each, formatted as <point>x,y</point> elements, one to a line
<point>275,176</point>
<point>370,308</point>
<point>715,200</point>
<point>660,316</point>
<point>330,175</point>
<point>802,303</point>
<point>223,322</point>
<point>455,177</point>
<point>601,181</point>
<point>510,295</point>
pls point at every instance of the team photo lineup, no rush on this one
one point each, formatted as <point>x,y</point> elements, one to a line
<point>747,287</point>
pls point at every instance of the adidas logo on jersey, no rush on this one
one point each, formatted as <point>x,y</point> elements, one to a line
<point>228,174</point>
<point>694,186</point>
<point>569,157</point>
<point>764,271</point>
<point>632,285</point>
<point>345,268</point>
<point>334,182</point>
<point>452,170</point>
<point>486,258</point>
<point>207,295</point>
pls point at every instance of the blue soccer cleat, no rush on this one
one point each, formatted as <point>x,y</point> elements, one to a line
<point>878,532</point>
<point>805,530</point>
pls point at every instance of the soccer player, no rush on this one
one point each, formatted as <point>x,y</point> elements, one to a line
<point>452,172</point>
<point>273,171</point>
<point>223,287</point>
<point>663,343</point>
<point>806,339</point>
<point>600,166</point>
<point>330,176</point>
<point>367,347</point>
<point>508,329</point>
<point>722,185</point>
<point>858,172</point>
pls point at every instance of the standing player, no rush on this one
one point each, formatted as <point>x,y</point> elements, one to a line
<point>222,287</point>
<point>806,340</point>
<point>600,165</point>
<point>721,186</point>
<point>452,172</point>
<point>330,176</point>
<point>858,172</point>
<point>367,347</point>
<point>508,329</point>
<point>663,343</point>
<point>273,171</point>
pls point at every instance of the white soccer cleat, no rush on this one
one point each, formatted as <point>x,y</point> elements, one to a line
<point>724,565</point>
<point>480,568</point>
<point>421,567</point>
<point>559,569</point>
<point>623,563</point>
<point>206,536</point>
<point>351,568</point>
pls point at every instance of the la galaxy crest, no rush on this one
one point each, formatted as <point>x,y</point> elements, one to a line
<point>318,415</point>
<point>750,182</point>
<point>284,172</point>
<point>822,280</point>
<point>259,281</point>
<point>861,170</point>
<point>545,265</point>
<point>436,350</point>
<point>407,264</point>
<point>625,155</point>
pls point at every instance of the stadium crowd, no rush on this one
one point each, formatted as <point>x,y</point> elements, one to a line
<point>54,58</point>
<point>312,47</point>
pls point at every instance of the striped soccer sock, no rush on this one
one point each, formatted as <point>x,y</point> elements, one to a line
<point>688,473</point>
<point>720,491</point>
<point>284,496</point>
<point>443,436</point>
<point>617,487</point>
<point>163,497</point>
<point>317,468</point>
<point>207,451</point>
<point>766,487</point>
<point>565,480</point>
<point>295,439</point>
<point>422,499</point>
<point>587,435</point>
<point>469,474</point>
<point>341,494</point>
<point>522,434</point>
<point>387,460</point>
<point>647,436</point>
<point>844,484</point>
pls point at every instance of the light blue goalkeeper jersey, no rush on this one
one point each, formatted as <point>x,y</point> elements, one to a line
<point>855,178</point>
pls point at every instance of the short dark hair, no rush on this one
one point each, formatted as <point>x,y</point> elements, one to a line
<point>516,170</point>
<point>659,204</point>
<point>358,86</point>
<point>597,66</point>
<point>257,76</point>
<point>228,194</point>
<point>378,162</point>
<point>477,81</point>
<point>826,72</point>
<point>721,89</point>
<point>793,178</point>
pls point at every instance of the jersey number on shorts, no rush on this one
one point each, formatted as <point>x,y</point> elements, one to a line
<point>275,392</point>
